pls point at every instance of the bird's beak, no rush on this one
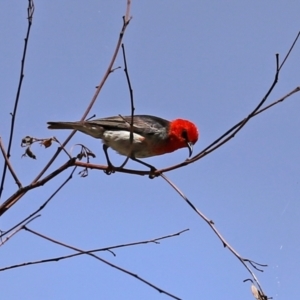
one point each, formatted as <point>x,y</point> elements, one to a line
<point>190,146</point>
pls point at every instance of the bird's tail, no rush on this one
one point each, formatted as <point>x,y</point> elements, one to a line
<point>85,127</point>
<point>63,125</point>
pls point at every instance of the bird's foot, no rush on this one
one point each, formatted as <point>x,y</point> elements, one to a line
<point>109,170</point>
<point>152,174</point>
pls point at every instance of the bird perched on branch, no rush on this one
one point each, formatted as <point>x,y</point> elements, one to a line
<point>149,135</point>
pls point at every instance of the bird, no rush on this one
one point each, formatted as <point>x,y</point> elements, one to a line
<point>148,136</point>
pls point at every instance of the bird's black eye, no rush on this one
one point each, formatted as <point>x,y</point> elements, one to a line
<point>184,134</point>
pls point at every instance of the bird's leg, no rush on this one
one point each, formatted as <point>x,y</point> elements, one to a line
<point>152,169</point>
<point>110,169</point>
<point>125,162</point>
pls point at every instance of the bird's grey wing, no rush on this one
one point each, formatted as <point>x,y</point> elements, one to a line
<point>144,124</point>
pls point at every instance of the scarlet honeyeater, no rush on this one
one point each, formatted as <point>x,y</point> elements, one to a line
<point>151,135</point>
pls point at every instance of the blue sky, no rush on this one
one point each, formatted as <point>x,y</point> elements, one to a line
<point>207,61</point>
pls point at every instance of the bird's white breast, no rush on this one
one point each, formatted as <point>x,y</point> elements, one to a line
<point>120,141</point>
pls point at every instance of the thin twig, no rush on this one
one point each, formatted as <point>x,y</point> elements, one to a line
<point>289,52</point>
<point>98,89</point>
<point>236,128</point>
<point>127,14</point>
<point>42,206</point>
<point>221,140</point>
<point>30,11</point>
<point>232,131</point>
<point>212,226</point>
<point>245,121</point>
<point>14,175</point>
<point>102,260</point>
<point>131,105</point>
<point>18,229</point>
<point>241,124</point>
<point>58,258</point>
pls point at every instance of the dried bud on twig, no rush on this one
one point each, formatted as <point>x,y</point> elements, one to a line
<point>29,153</point>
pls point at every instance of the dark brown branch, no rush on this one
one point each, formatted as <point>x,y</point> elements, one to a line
<point>30,11</point>
<point>116,169</point>
<point>129,85</point>
<point>16,196</point>
<point>131,104</point>
<point>102,260</point>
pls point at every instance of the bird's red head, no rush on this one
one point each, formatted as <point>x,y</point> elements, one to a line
<point>182,133</point>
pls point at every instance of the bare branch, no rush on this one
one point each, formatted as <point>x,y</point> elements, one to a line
<point>14,175</point>
<point>17,230</point>
<point>289,52</point>
<point>212,226</point>
<point>58,258</point>
<point>102,260</point>
<point>30,11</point>
<point>221,140</point>
<point>131,104</point>
<point>98,89</point>
<point>42,206</point>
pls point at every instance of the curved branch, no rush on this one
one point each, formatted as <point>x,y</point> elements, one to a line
<point>30,12</point>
